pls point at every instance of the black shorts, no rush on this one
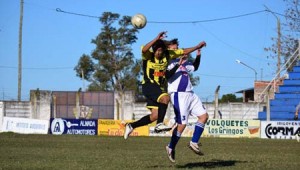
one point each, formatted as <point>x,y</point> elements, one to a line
<point>153,92</point>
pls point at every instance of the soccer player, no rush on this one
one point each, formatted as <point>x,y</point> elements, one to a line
<point>154,85</point>
<point>185,102</point>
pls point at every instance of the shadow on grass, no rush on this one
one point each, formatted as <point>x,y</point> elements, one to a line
<point>211,164</point>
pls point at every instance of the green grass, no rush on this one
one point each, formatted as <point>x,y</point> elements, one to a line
<point>103,152</point>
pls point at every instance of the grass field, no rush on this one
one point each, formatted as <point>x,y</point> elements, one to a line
<point>102,152</point>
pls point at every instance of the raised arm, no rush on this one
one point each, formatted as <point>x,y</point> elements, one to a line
<point>197,60</point>
<point>161,35</point>
<point>187,51</point>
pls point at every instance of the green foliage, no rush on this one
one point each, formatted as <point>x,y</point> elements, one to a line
<point>85,65</point>
<point>194,79</point>
<point>111,65</point>
<point>230,98</point>
<point>103,152</point>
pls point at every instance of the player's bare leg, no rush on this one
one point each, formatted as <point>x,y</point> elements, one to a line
<point>142,122</point>
<point>162,109</point>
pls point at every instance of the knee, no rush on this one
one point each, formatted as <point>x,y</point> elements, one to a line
<point>153,116</point>
<point>165,100</point>
<point>206,117</point>
<point>203,118</point>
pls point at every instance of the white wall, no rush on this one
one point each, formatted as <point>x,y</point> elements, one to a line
<point>134,111</point>
<point>1,115</point>
<point>247,111</point>
<point>40,105</point>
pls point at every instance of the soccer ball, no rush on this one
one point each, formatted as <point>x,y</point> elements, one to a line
<point>138,21</point>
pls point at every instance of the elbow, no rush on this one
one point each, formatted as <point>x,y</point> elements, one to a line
<point>186,52</point>
<point>144,50</point>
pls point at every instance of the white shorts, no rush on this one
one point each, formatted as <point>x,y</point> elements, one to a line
<point>185,104</point>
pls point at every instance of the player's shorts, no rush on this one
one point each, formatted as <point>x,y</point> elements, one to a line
<point>185,104</point>
<point>153,92</point>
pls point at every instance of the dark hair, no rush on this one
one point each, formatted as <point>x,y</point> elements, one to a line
<point>171,42</point>
<point>174,41</point>
<point>159,44</point>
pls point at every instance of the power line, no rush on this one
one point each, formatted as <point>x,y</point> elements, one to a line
<point>220,76</point>
<point>38,68</point>
<point>170,22</point>
<point>62,68</point>
<point>193,22</point>
<point>286,16</point>
<point>208,20</point>
<point>231,46</point>
<point>186,22</point>
<point>73,13</point>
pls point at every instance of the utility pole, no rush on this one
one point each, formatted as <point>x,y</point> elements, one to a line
<point>278,43</point>
<point>82,78</point>
<point>216,102</point>
<point>20,51</point>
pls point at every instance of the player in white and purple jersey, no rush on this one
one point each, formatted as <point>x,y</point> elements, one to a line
<point>185,102</point>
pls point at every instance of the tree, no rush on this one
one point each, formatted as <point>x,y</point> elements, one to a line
<point>289,34</point>
<point>85,65</point>
<point>292,26</point>
<point>111,65</point>
<point>230,98</point>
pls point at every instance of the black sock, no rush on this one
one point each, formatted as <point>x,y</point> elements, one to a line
<point>142,122</point>
<point>162,109</point>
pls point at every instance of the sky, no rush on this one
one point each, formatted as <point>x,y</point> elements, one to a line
<point>53,42</point>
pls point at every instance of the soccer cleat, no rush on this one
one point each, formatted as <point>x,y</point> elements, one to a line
<point>128,130</point>
<point>171,154</point>
<point>194,147</point>
<point>160,127</point>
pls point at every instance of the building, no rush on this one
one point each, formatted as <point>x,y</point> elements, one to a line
<point>259,91</point>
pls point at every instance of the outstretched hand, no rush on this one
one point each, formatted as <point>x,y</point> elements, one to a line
<point>162,35</point>
<point>201,44</point>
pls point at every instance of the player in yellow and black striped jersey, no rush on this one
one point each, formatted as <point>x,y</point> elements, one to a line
<point>154,81</point>
<point>154,67</point>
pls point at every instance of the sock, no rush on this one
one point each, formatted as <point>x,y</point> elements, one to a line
<point>162,109</point>
<point>174,139</point>
<point>199,127</point>
<point>142,122</point>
